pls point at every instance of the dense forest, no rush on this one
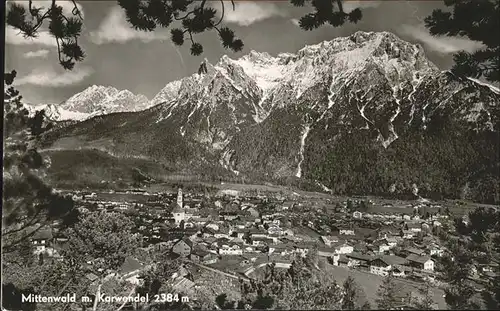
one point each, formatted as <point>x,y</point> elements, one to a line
<point>447,160</point>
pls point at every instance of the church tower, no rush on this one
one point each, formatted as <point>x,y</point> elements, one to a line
<point>179,198</point>
<point>179,212</point>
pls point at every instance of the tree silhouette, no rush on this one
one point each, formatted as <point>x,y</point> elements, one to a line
<point>386,293</point>
<point>478,242</point>
<point>330,11</point>
<point>425,301</point>
<point>479,21</point>
<point>29,204</point>
<point>102,238</point>
<point>352,296</point>
<point>65,30</point>
<point>457,267</point>
<point>194,17</point>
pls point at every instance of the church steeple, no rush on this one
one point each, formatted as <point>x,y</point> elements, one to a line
<point>179,198</point>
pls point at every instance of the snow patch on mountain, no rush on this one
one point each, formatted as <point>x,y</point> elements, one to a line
<point>226,161</point>
<point>305,132</point>
<point>168,93</point>
<point>54,113</point>
<point>267,71</point>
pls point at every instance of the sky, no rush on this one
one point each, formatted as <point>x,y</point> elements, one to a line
<point>144,62</point>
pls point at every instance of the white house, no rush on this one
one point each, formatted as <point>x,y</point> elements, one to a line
<point>213,226</point>
<point>274,230</point>
<point>346,231</point>
<point>384,247</point>
<point>414,227</point>
<point>429,265</point>
<point>391,241</point>
<point>357,215</point>
<point>41,241</point>
<point>436,223</point>
<point>231,249</point>
<point>399,270</point>
<point>344,248</point>
<point>407,234</point>
<point>380,267</point>
<point>421,262</point>
<point>329,240</point>
<point>435,249</point>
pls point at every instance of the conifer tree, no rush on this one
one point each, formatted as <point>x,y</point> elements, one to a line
<point>29,203</point>
<point>457,267</point>
<point>479,20</point>
<point>353,296</point>
<point>386,293</point>
<point>425,302</point>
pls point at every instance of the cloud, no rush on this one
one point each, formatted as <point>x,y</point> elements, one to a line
<point>115,28</point>
<point>440,44</point>
<point>295,21</point>
<point>50,78</point>
<point>38,53</point>
<point>15,37</point>
<point>246,13</point>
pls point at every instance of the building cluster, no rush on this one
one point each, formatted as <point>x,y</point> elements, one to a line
<point>237,235</point>
<point>244,234</point>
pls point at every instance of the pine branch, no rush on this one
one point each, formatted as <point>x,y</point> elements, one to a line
<point>75,10</point>
<point>340,5</point>
<point>222,15</point>
<point>185,16</point>
<point>191,37</point>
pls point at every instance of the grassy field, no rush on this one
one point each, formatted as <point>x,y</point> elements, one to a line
<point>73,169</point>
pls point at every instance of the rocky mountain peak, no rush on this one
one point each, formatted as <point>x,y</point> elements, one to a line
<point>93,101</point>
<point>105,99</point>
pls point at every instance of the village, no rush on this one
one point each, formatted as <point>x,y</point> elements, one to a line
<point>236,235</point>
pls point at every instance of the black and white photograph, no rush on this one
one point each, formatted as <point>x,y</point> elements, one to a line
<point>251,155</point>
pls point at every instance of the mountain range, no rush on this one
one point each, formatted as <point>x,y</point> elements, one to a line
<point>93,101</point>
<point>364,114</point>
